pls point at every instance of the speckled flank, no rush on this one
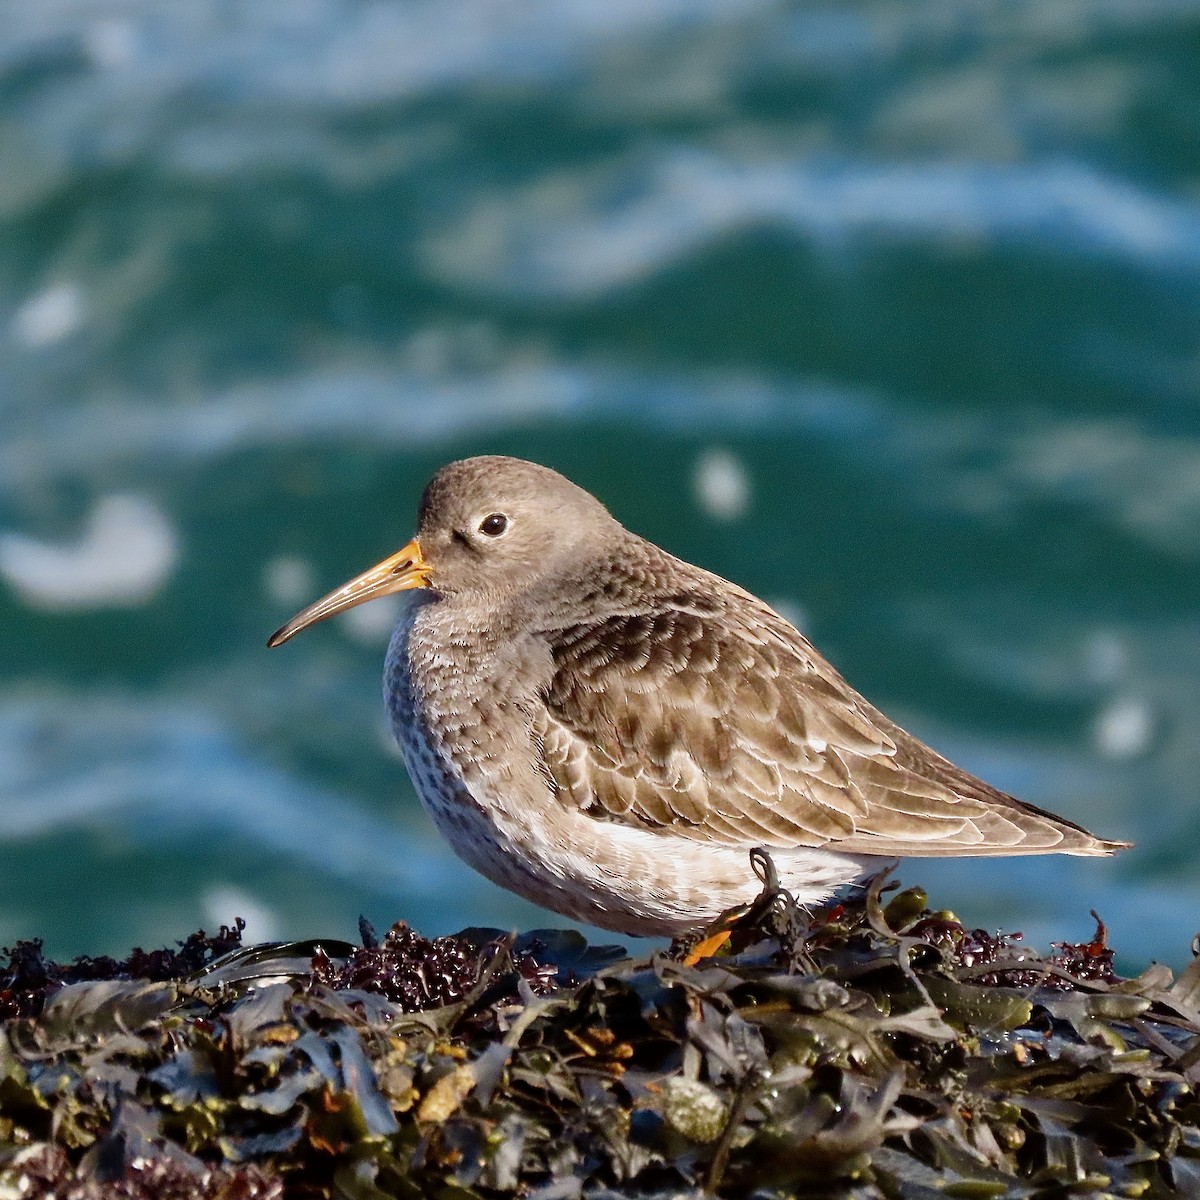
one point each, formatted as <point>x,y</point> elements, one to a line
<point>615,876</point>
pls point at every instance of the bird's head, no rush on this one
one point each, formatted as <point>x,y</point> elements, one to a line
<point>488,528</point>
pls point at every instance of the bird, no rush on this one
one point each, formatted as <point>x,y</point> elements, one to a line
<point>609,731</point>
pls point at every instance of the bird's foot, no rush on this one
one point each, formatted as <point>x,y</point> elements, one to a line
<point>707,947</point>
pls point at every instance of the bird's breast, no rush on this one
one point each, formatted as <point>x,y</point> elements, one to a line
<point>460,691</point>
<point>462,721</point>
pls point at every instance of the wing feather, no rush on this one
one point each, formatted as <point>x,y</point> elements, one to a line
<point>717,720</point>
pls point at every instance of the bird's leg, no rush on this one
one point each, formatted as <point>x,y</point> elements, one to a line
<point>715,935</point>
<point>743,916</point>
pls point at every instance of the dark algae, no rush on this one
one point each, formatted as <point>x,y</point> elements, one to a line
<point>872,1049</point>
<point>30,978</point>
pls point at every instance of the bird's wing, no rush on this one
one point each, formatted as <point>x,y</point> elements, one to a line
<point>725,725</point>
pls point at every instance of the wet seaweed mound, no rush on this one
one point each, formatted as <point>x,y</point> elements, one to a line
<point>873,1050</point>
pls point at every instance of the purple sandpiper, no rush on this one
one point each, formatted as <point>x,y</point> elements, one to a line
<point>609,730</point>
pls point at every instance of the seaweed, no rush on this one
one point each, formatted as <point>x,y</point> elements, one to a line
<point>29,978</point>
<point>872,1049</point>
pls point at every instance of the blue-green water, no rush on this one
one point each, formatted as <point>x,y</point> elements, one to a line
<point>889,312</point>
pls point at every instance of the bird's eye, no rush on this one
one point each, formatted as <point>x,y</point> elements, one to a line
<point>493,525</point>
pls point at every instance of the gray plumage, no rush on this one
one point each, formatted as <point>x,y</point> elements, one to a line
<point>609,730</point>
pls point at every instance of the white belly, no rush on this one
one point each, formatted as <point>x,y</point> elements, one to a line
<point>612,875</point>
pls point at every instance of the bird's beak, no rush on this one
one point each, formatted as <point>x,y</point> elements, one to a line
<point>405,569</point>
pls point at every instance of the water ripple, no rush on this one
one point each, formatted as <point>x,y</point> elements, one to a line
<point>579,237</point>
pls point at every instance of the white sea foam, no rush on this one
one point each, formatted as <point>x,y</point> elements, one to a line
<point>582,236</point>
<point>399,407</point>
<point>279,57</point>
<point>722,485</point>
<point>1124,728</point>
<point>1143,479</point>
<point>125,553</point>
<point>790,610</point>
<point>326,53</point>
<point>372,623</point>
<point>288,579</point>
<point>223,902</point>
<point>112,43</point>
<point>50,315</point>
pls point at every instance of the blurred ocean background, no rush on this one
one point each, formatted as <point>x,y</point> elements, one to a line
<point>888,311</point>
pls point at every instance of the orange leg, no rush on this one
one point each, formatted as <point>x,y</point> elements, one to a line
<point>707,947</point>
